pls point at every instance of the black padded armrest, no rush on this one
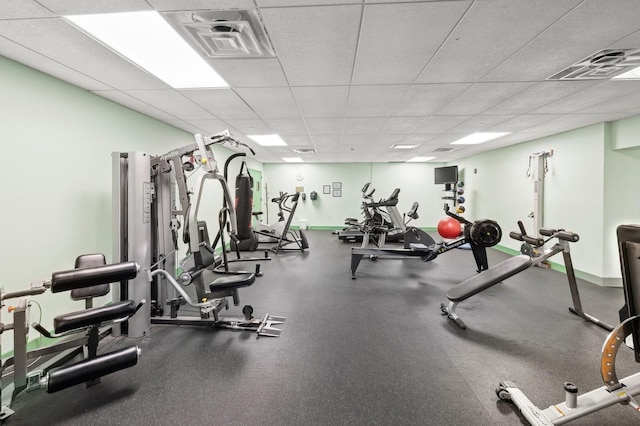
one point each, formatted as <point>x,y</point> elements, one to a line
<point>231,282</point>
<point>78,278</point>
<point>488,278</point>
<point>93,316</point>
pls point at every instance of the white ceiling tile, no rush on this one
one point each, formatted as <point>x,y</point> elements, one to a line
<point>223,103</point>
<point>480,123</point>
<point>371,140</point>
<point>250,72</point>
<point>538,95</point>
<point>270,102</point>
<point>250,127</point>
<point>327,143</point>
<point>316,45</point>
<point>12,9</point>
<point>210,126</point>
<point>395,55</point>
<point>426,99</point>
<point>182,125</point>
<point>34,60</point>
<point>574,121</point>
<point>278,3</point>
<point>414,138</point>
<point>63,43</point>
<point>589,27</point>
<point>590,96</point>
<point>134,104</point>
<point>287,126</point>
<point>363,125</point>
<point>522,122</point>
<point>374,101</point>
<point>177,5</point>
<point>473,50</point>
<point>629,104</point>
<point>400,124</point>
<point>325,126</point>
<point>482,96</point>
<point>632,40</point>
<point>322,102</point>
<point>172,102</point>
<point>82,7</point>
<point>440,123</point>
<point>298,141</point>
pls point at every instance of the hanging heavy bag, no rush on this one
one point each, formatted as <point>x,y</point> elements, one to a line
<point>244,202</point>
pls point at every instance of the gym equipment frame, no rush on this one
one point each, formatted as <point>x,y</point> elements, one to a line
<point>517,264</point>
<point>79,332</point>
<point>479,234</point>
<point>614,391</point>
<point>146,230</point>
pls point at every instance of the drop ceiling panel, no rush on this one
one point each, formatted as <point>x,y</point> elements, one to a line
<point>325,126</point>
<point>480,123</point>
<point>287,126</point>
<point>629,104</point>
<point>271,102</point>
<point>250,127</point>
<point>298,141</point>
<point>574,121</point>
<point>538,95</point>
<point>327,143</point>
<point>210,126</point>
<point>482,96</point>
<point>418,139</point>
<point>277,3</point>
<point>223,103</point>
<point>374,101</point>
<point>400,124</point>
<point>172,102</point>
<point>63,43</point>
<point>187,127</point>
<point>590,96</point>
<point>316,45</point>
<point>166,5</point>
<point>473,50</point>
<point>12,9</point>
<point>250,72</point>
<point>588,28</point>
<point>389,50</point>
<point>427,99</point>
<point>440,124</point>
<point>322,102</point>
<point>36,61</point>
<point>359,126</point>
<point>135,104</point>
<point>522,122</point>
<point>82,7</point>
<point>371,140</point>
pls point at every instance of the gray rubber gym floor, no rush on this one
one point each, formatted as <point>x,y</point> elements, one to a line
<point>370,351</point>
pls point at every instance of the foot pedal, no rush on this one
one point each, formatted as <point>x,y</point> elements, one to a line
<point>266,325</point>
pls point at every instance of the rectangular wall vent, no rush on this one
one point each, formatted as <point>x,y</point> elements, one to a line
<point>601,65</point>
<point>224,33</point>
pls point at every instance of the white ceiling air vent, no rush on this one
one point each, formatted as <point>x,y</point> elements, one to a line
<point>602,65</point>
<point>303,150</point>
<point>444,149</point>
<point>223,33</point>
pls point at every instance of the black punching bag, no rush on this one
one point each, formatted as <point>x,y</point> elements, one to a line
<point>244,202</point>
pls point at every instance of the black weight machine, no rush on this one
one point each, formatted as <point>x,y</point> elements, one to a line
<point>78,333</point>
<point>614,391</point>
<point>286,239</point>
<point>517,264</point>
<point>479,235</point>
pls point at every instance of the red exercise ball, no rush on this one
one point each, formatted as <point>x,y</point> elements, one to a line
<point>449,228</point>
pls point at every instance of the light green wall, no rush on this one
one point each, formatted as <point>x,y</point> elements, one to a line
<point>414,180</point>
<point>57,142</point>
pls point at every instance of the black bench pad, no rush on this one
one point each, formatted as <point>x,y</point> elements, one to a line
<point>488,278</point>
<point>93,316</point>
<point>231,282</point>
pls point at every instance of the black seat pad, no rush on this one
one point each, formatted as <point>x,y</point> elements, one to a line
<point>231,282</point>
<point>93,316</point>
<point>491,276</point>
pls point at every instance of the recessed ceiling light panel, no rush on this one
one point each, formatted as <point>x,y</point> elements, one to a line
<point>420,159</point>
<point>293,159</point>
<point>268,140</point>
<point>479,137</point>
